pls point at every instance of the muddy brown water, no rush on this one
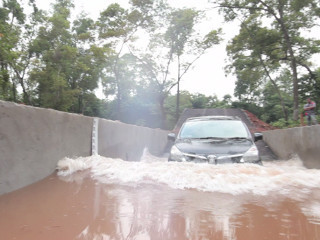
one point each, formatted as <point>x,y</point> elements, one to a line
<point>99,198</point>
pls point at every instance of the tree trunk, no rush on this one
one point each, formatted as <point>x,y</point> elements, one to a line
<point>162,111</point>
<point>178,91</point>
<point>284,110</point>
<point>178,101</point>
<point>293,64</point>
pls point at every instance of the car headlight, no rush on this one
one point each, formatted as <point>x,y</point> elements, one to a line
<point>252,155</point>
<point>177,155</point>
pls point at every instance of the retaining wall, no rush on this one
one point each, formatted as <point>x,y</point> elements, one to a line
<point>33,140</point>
<point>125,141</point>
<point>301,141</point>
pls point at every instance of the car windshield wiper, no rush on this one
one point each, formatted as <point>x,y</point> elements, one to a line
<point>213,138</point>
<point>238,138</point>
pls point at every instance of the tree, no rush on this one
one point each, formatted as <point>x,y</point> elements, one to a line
<point>255,59</point>
<point>288,18</point>
<point>200,100</point>
<point>185,44</point>
<point>170,106</point>
<point>117,28</point>
<point>89,62</point>
<point>68,66</point>
<point>56,53</point>
<point>12,19</point>
<point>24,55</point>
<point>173,48</point>
<point>273,107</point>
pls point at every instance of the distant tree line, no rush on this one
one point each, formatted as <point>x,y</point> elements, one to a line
<point>139,54</point>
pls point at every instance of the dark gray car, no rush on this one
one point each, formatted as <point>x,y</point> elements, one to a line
<point>215,139</point>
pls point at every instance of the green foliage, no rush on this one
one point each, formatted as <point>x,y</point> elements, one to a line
<point>181,26</point>
<point>269,49</point>
<point>57,63</point>
<point>11,19</point>
<point>272,102</point>
<point>211,38</point>
<point>15,9</point>
<point>309,86</point>
<point>251,107</point>
<point>199,101</point>
<point>170,106</point>
<point>282,123</point>
<point>112,22</point>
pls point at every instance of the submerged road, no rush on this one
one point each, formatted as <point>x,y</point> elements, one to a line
<point>103,198</point>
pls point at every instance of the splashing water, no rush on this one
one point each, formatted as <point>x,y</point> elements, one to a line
<point>288,178</point>
<point>105,198</point>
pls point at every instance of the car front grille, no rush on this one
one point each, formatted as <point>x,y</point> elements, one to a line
<point>213,159</point>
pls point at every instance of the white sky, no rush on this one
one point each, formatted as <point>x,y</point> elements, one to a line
<point>207,75</point>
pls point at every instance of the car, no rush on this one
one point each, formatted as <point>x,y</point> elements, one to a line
<point>215,140</point>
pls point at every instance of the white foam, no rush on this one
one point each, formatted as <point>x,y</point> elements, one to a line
<point>250,183</point>
<point>283,177</point>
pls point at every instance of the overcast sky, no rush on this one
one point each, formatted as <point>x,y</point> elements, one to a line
<point>207,76</point>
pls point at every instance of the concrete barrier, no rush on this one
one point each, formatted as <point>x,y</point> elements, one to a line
<point>125,141</point>
<point>33,140</point>
<point>301,141</point>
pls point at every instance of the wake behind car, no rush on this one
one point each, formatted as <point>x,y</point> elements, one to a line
<point>214,139</point>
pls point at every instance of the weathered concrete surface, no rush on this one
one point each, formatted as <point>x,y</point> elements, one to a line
<point>301,141</point>
<point>125,141</point>
<point>33,140</point>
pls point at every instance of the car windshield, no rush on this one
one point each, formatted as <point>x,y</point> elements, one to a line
<point>213,129</point>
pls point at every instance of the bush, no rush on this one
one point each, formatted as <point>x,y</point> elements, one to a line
<point>281,123</point>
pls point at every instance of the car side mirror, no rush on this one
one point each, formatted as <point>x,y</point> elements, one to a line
<point>257,136</point>
<point>172,136</point>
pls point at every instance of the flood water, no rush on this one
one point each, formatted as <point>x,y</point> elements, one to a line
<point>98,198</point>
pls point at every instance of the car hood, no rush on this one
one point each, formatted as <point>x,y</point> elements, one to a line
<point>214,147</point>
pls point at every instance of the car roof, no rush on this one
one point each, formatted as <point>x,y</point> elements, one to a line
<point>202,118</point>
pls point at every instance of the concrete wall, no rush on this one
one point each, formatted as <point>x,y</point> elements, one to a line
<point>33,140</point>
<point>125,141</point>
<point>303,141</point>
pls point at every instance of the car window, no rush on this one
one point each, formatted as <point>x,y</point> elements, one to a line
<point>213,128</point>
